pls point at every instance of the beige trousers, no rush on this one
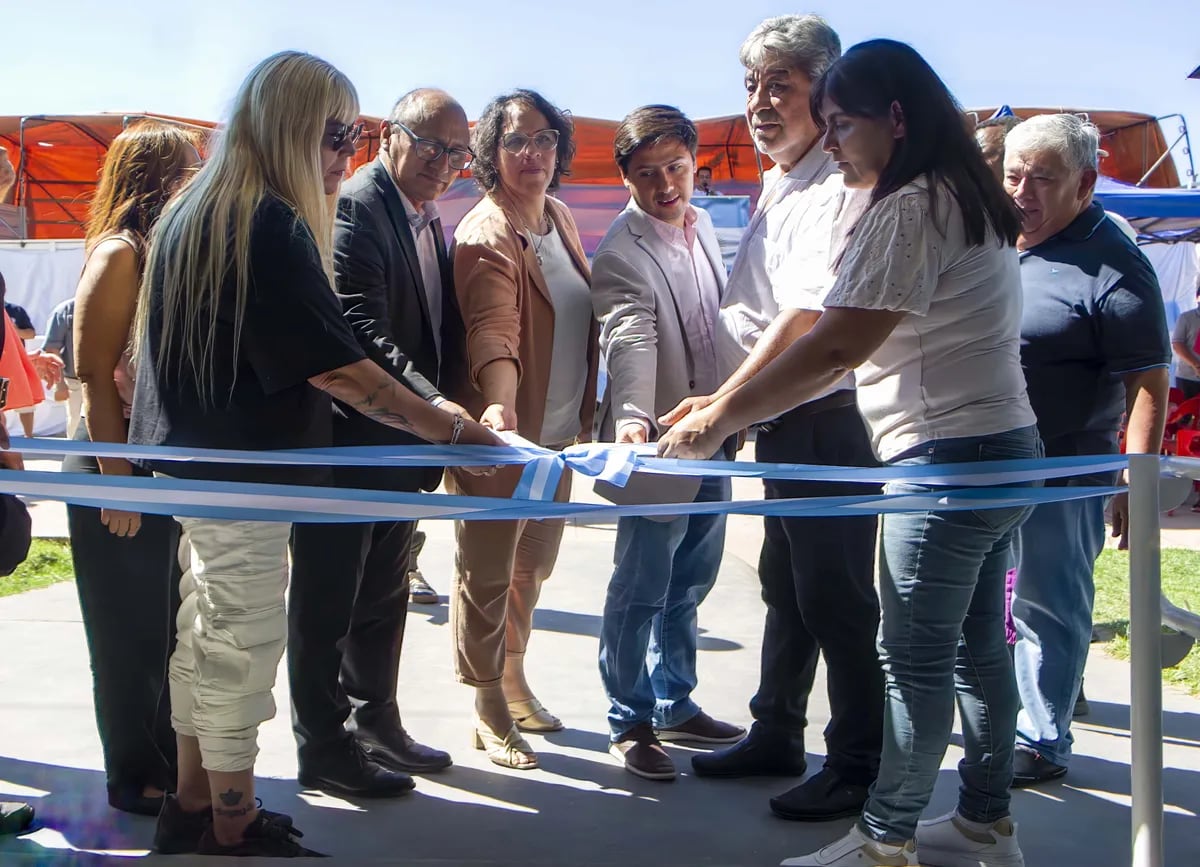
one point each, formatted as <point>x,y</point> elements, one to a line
<point>498,573</point>
<point>232,632</point>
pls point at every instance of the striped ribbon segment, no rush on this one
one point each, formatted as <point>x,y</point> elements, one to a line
<point>978,485</point>
<point>605,461</point>
<point>238,501</point>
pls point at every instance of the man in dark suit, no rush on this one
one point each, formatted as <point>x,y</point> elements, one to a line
<point>350,590</point>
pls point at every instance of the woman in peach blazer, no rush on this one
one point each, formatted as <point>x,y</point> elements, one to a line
<point>531,355</point>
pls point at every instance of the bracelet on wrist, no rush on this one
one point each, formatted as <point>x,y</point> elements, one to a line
<point>456,429</point>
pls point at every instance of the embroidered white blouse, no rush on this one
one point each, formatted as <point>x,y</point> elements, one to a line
<point>952,367</point>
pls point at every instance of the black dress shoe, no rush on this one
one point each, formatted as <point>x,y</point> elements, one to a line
<point>1030,768</point>
<point>820,798</point>
<point>758,754</point>
<point>397,750</point>
<point>348,771</point>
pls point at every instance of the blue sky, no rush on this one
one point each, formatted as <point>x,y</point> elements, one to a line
<point>598,59</point>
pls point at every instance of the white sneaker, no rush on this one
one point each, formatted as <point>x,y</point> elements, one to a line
<point>856,849</point>
<point>950,841</point>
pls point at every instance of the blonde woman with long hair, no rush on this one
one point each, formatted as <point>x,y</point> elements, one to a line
<point>125,563</point>
<point>240,342</point>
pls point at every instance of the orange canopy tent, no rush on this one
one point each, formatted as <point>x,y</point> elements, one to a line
<point>58,157</point>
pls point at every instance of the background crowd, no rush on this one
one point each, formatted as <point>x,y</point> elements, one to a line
<point>904,295</point>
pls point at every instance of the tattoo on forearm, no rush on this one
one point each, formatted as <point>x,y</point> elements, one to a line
<point>371,397</point>
<point>369,405</point>
<point>395,419</point>
<point>228,806</point>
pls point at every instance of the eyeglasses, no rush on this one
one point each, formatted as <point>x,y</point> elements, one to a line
<point>431,151</point>
<point>543,140</point>
<point>343,135</point>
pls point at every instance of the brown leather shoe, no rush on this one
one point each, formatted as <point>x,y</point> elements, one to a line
<point>641,754</point>
<point>703,729</point>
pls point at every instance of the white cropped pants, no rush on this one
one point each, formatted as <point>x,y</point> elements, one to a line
<point>232,632</point>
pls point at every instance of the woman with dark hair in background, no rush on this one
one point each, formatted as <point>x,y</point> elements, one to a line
<point>126,569</point>
<point>523,285</point>
<point>926,309</point>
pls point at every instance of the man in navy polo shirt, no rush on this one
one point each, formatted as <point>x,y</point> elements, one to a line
<point>1094,346</point>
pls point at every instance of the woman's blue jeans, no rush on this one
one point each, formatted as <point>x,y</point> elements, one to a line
<point>941,637</point>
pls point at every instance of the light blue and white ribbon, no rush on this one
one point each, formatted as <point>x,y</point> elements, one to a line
<point>961,486</point>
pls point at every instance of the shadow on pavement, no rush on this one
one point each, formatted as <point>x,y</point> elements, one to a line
<point>586,811</point>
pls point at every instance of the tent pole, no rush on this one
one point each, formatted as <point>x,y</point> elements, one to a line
<point>20,198</point>
<point>1145,651</point>
<point>1158,162</point>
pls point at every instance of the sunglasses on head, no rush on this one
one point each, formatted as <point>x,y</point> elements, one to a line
<point>343,135</point>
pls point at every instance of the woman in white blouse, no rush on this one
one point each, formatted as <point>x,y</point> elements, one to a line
<point>926,309</point>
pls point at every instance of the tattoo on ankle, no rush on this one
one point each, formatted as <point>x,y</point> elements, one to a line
<point>228,808</point>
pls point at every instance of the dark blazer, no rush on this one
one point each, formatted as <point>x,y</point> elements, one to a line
<point>383,296</point>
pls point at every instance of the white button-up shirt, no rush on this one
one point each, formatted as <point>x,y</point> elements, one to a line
<point>784,259</point>
<point>420,222</point>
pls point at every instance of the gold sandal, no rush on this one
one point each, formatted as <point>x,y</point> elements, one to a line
<point>531,716</point>
<point>511,752</point>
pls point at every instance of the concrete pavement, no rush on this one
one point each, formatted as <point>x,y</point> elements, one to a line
<point>580,808</point>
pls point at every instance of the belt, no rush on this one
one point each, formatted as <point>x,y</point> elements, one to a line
<point>843,397</point>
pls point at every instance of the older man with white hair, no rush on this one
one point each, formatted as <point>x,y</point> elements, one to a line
<point>817,574</point>
<point>1094,346</point>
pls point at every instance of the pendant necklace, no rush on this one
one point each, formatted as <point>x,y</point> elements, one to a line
<point>537,240</point>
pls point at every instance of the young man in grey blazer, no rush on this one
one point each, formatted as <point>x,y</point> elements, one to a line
<point>656,284</point>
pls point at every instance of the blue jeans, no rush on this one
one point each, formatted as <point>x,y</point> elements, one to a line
<point>663,570</point>
<point>941,578</point>
<point>1052,611</point>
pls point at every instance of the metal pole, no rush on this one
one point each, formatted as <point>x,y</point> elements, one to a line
<point>19,199</point>
<point>1145,653</point>
<point>1160,161</point>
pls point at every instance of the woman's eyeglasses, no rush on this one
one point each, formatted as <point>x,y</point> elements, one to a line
<point>543,140</point>
<point>431,151</point>
<point>344,135</point>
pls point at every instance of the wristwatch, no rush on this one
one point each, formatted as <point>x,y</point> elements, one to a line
<point>3,392</point>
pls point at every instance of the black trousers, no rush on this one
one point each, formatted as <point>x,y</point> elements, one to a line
<point>347,608</point>
<point>128,596</point>
<point>818,584</point>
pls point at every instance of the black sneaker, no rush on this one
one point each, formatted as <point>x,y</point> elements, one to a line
<point>262,838</point>
<point>1030,768</point>
<point>178,832</point>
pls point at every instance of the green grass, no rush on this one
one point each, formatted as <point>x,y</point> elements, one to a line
<point>1181,584</point>
<point>49,562</point>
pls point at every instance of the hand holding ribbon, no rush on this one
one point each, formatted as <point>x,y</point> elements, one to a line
<point>697,436</point>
